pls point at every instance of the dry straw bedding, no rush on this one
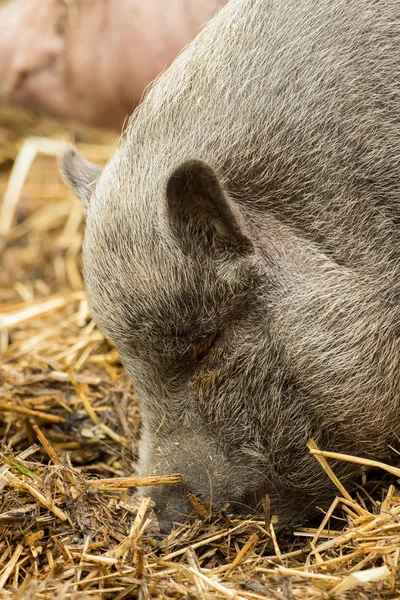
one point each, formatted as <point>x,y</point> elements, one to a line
<point>71,525</point>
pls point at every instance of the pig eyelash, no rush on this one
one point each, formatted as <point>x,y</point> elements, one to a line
<point>200,351</point>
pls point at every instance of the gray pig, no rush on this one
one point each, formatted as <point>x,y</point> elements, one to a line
<point>242,250</point>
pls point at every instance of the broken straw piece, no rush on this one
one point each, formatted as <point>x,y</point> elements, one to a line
<point>361,578</point>
<point>31,147</point>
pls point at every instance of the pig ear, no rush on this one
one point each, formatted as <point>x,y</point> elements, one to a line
<point>194,192</point>
<point>79,174</point>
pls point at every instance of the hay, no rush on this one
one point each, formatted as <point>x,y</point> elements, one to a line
<point>70,523</point>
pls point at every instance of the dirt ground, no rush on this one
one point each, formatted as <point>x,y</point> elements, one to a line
<point>71,525</point>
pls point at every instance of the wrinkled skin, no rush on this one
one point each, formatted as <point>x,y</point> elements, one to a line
<point>242,249</point>
<point>93,60</point>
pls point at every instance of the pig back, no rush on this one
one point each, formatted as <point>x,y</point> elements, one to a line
<point>296,104</point>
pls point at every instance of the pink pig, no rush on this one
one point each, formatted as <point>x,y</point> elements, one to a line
<point>91,60</point>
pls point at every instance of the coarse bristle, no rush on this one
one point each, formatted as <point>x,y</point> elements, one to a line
<point>71,525</point>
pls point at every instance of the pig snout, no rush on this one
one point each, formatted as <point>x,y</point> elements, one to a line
<point>207,472</point>
<point>172,505</point>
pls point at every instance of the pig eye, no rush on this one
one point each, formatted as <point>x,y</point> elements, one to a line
<point>200,350</point>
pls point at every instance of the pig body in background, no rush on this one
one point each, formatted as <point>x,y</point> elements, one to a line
<point>242,250</point>
<point>91,59</point>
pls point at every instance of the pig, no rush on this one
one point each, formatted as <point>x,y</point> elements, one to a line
<point>91,60</point>
<point>242,250</point>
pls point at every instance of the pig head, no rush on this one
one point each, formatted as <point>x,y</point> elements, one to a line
<point>242,251</point>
